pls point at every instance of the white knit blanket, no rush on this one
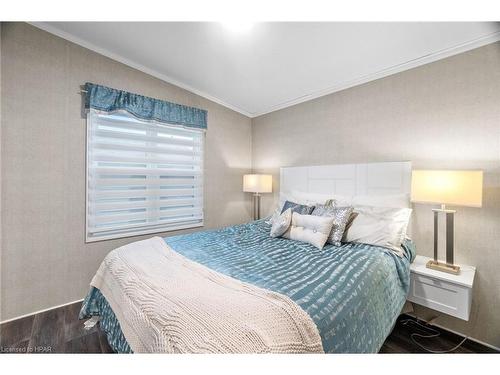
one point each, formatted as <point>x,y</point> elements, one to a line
<point>166,303</point>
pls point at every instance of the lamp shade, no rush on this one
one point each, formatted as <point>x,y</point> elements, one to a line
<point>258,183</point>
<point>459,188</point>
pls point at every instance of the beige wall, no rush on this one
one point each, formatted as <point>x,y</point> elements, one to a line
<point>45,261</point>
<point>441,115</point>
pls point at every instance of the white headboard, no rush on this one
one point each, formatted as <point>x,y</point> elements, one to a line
<point>348,179</point>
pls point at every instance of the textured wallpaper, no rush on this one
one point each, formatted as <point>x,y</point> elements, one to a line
<point>442,115</point>
<point>45,261</point>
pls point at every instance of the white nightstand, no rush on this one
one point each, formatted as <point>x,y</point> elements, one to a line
<point>447,293</point>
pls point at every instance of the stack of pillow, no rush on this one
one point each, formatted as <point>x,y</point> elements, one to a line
<point>374,220</point>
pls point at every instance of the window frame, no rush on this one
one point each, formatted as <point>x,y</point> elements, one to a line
<point>126,233</point>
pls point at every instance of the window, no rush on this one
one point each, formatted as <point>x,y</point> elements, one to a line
<point>142,177</point>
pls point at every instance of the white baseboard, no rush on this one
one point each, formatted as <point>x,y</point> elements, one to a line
<point>40,311</point>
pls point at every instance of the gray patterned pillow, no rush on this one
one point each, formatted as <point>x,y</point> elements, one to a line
<point>281,223</point>
<point>340,216</point>
<point>302,209</point>
<point>276,214</point>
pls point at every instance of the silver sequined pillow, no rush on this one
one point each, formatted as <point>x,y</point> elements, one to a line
<point>340,216</point>
<point>281,223</point>
<point>276,214</point>
<point>331,203</point>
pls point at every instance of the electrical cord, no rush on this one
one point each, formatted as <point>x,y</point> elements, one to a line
<point>433,333</point>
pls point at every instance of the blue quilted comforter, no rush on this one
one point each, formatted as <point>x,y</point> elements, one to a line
<point>353,292</point>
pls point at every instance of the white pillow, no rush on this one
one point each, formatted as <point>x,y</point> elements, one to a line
<point>388,200</point>
<point>343,200</point>
<point>281,223</point>
<point>311,199</point>
<point>301,197</point>
<point>311,229</point>
<point>379,226</point>
<point>392,200</point>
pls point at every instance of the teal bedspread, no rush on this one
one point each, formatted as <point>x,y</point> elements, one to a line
<point>353,292</point>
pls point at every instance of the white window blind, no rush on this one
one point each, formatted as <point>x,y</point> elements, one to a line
<point>142,177</point>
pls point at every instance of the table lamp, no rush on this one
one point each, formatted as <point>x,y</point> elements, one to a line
<point>457,188</point>
<point>257,184</point>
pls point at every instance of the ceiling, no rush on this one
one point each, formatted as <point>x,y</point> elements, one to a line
<point>273,65</point>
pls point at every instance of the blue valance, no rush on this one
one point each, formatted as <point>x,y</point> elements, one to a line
<point>106,99</point>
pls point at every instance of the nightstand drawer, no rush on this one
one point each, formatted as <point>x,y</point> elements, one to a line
<point>440,295</point>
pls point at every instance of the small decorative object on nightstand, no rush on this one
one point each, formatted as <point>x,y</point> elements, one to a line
<point>458,188</point>
<point>447,293</point>
<point>257,184</point>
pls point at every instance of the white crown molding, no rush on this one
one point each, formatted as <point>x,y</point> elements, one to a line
<point>426,59</point>
<point>102,51</point>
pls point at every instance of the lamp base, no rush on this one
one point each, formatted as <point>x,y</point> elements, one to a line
<point>256,206</point>
<point>443,267</point>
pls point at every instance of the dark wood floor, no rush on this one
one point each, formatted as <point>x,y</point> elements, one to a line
<point>60,331</point>
<point>54,331</point>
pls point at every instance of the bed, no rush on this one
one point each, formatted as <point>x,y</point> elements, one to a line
<point>353,293</point>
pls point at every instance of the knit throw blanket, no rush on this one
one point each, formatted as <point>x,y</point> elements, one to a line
<point>166,303</point>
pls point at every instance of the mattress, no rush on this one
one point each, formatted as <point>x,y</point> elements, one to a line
<point>354,292</point>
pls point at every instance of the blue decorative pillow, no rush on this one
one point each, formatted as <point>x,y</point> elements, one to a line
<point>299,208</point>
